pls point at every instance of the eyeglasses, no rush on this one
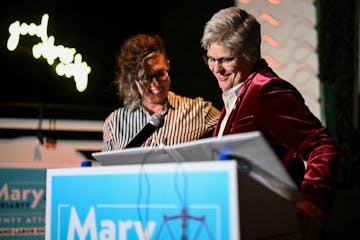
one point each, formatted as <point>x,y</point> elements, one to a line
<point>223,61</point>
<point>160,75</point>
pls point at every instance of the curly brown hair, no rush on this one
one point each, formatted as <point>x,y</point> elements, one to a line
<point>130,62</point>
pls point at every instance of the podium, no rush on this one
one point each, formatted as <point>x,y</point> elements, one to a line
<point>174,199</point>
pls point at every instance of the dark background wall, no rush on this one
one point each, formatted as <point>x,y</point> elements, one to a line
<point>97,30</point>
<point>338,31</point>
<point>338,35</point>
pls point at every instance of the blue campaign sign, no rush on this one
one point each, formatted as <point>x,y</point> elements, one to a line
<point>195,200</point>
<point>22,203</point>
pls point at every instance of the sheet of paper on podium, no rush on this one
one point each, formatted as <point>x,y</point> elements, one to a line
<point>251,147</point>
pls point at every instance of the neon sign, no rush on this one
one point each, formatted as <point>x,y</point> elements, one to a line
<point>70,63</point>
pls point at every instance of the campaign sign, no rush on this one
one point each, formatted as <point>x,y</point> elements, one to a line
<point>193,200</point>
<point>22,203</point>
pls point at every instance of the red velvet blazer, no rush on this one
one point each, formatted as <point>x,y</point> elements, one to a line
<point>274,107</point>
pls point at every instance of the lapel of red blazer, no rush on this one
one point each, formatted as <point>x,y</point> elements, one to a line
<point>234,111</point>
<point>236,108</point>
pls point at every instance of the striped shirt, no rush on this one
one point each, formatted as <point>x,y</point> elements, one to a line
<point>185,120</point>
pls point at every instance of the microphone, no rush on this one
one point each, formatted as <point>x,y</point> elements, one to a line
<point>156,121</point>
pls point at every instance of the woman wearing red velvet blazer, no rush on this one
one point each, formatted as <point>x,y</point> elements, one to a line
<point>255,98</point>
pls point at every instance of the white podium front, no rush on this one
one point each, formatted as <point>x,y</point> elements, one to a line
<point>178,195</point>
